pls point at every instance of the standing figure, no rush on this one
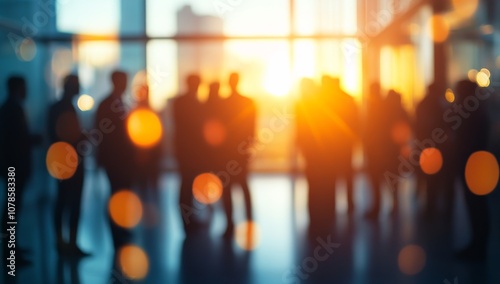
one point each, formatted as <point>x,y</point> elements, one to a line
<point>315,140</point>
<point>374,144</point>
<point>397,135</point>
<point>346,129</point>
<point>241,117</point>
<point>16,146</point>
<point>189,147</point>
<point>115,152</point>
<point>472,136</point>
<point>437,188</point>
<point>64,126</point>
<point>147,159</point>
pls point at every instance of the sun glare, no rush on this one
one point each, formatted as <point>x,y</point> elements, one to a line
<point>277,80</point>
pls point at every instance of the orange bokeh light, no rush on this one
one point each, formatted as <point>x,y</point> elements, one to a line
<point>214,132</point>
<point>482,173</point>
<point>465,8</point>
<point>125,209</point>
<point>449,95</point>
<point>439,28</point>
<point>411,259</point>
<point>134,262</point>
<point>144,127</point>
<point>61,160</point>
<point>401,133</point>
<point>207,188</point>
<point>247,235</point>
<point>431,161</point>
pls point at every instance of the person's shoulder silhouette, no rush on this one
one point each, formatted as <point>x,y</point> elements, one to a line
<point>15,140</point>
<point>115,148</point>
<point>63,119</point>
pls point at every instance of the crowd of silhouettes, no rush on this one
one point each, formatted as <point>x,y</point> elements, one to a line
<point>210,141</point>
<point>208,136</point>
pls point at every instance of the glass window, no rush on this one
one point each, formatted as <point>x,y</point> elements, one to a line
<point>230,17</point>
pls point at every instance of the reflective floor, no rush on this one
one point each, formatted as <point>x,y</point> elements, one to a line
<point>357,250</point>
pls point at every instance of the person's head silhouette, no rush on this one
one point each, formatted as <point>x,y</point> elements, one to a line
<point>307,87</point>
<point>375,91</point>
<point>327,85</point>
<point>234,79</point>
<point>213,93</point>
<point>16,88</point>
<point>119,80</point>
<point>335,83</point>
<point>71,86</point>
<point>193,83</point>
<point>465,88</point>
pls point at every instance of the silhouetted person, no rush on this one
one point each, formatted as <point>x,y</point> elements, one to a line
<point>215,130</point>
<point>115,152</point>
<point>16,145</point>
<point>345,127</point>
<point>63,125</point>
<point>374,143</point>
<point>241,118</point>
<point>472,136</point>
<point>438,187</point>
<point>210,260</point>
<point>397,134</point>
<point>314,125</point>
<point>188,147</point>
<point>147,159</point>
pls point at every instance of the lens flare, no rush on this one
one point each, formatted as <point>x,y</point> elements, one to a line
<point>411,259</point>
<point>85,102</point>
<point>144,128</point>
<point>214,132</point>
<point>207,188</point>
<point>431,161</point>
<point>449,96</point>
<point>27,50</point>
<point>482,173</point>
<point>61,160</point>
<point>125,209</point>
<point>482,79</point>
<point>401,133</point>
<point>134,262</point>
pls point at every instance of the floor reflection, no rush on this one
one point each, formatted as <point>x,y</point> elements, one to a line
<point>276,249</point>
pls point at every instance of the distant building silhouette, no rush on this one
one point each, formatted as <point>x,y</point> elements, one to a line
<point>204,58</point>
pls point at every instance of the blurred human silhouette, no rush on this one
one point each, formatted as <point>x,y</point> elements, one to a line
<point>214,129</point>
<point>210,260</point>
<point>16,144</point>
<point>147,160</point>
<point>189,148</point>
<point>63,125</point>
<point>345,127</point>
<point>437,188</point>
<point>397,135</point>
<point>314,125</point>
<point>472,136</point>
<point>241,118</point>
<point>115,150</point>
<point>374,143</point>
